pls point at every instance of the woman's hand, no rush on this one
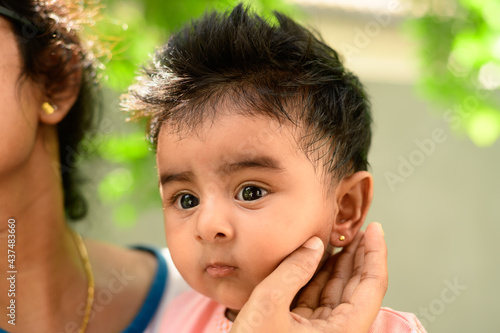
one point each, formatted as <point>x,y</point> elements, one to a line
<point>344,296</point>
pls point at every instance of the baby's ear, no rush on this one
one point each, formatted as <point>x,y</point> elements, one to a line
<point>354,196</point>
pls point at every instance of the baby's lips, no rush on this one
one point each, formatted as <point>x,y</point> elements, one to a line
<point>219,270</point>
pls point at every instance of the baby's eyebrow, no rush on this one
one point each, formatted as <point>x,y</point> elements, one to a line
<point>259,162</point>
<point>185,176</point>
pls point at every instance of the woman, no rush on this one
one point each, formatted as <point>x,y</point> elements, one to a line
<point>47,93</point>
<point>57,282</point>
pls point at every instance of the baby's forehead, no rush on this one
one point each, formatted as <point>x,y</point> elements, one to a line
<point>234,139</point>
<point>262,128</point>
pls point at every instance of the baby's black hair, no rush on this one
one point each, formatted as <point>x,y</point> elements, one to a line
<point>280,70</point>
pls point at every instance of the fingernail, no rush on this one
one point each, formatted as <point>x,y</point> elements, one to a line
<point>381,229</point>
<point>313,243</point>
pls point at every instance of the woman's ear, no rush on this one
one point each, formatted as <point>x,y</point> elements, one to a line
<point>62,94</point>
<point>354,196</point>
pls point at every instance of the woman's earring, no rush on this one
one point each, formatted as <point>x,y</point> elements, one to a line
<point>341,238</point>
<point>49,108</point>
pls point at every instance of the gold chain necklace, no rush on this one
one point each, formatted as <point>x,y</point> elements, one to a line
<point>90,278</point>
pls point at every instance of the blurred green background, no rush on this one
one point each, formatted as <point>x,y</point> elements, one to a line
<point>432,70</point>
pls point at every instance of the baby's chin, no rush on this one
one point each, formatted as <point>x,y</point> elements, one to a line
<point>233,295</point>
<point>234,302</point>
<point>231,298</point>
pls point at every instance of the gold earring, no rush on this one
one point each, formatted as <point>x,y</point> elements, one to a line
<point>48,108</point>
<point>341,238</point>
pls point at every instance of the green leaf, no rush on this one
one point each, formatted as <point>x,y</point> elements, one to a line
<point>484,127</point>
<point>124,148</point>
<point>125,216</point>
<point>115,185</point>
<point>459,57</point>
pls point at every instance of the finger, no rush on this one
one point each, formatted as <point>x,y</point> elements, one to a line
<point>334,288</point>
<point>271,299</point>
<point>357,270</point>
<point>375,260</point>
<point>309,297</point>
<point>366,300</point>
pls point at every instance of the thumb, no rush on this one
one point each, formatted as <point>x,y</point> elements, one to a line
<point>270,300</point>
<point>295,270</point>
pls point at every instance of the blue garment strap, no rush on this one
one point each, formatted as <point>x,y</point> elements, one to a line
<point>152,302</point>
<point>154,297</point>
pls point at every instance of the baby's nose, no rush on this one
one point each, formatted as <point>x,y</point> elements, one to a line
<point>214,225</point>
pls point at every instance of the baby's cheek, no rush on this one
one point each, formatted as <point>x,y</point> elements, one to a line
<point>267,264</point>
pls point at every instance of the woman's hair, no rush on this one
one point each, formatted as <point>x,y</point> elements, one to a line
<point>280,69</point>
<point>51,51</point>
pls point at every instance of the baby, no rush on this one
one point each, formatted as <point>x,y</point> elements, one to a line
<point>262,139</point>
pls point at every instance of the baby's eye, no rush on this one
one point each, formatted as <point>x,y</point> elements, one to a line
<point>187,201</point>
<point>250,193</point>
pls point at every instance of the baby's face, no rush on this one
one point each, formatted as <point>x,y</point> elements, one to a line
<point>237,199</point>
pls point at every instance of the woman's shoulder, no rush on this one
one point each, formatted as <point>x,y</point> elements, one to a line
<point>389,320</point>
<point>136,268</point>
<point>123,279</point>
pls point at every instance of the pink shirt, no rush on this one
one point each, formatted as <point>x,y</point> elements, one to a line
<point>192,312</point>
